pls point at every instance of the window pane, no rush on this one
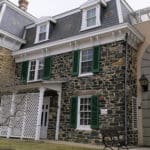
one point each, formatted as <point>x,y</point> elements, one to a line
<point>85,111</point>
<point>86,61</point>
<point>40,74</point>
<point>86,67</point>
<point>32,74</point>
<point>91,13</point>
<point>43,28</point>
<point>91,21</point>
<point>40,69</point>
<point>42,36</point>
<point>87,55</point>
<point>32,70</point>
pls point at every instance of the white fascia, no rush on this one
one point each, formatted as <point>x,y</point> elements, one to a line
<point>105,36</point>
<point>2,12</point>
<point>12,36</point>
<point>119,11</point>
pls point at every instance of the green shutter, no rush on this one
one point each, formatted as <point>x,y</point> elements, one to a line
<point>24,71</point>
<point>73,114</point>
<point>96,59</point>
<point>76,59</point>
<point>94,112</point>
<point>47,68</point>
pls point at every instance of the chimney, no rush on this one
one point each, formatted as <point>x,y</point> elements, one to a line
<point>23,4</point>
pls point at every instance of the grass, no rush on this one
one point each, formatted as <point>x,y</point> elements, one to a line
<point>32,145</point>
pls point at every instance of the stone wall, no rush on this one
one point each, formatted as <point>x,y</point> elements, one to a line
<point>52,117</point>
<point>7,68</point>
<point>109,83</point>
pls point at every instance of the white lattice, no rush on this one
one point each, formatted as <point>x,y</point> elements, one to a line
<point>24,119</point>
<point>5,114</point>
<point>31,115</point>
<point>17,119</point>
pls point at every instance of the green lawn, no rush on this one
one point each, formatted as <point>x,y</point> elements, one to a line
<point>32,145</point>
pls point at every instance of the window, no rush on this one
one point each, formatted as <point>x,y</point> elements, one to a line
<point>86,61</point>
<point>134,113</point>
<point>84,113</point>
<point>91,17</point>
<point>35,69</point>
<point>42,32</point>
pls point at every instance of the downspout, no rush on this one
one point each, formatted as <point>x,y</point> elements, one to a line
<point>125,91</point>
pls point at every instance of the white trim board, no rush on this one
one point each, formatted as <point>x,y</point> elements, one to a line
<point>81,37</point>
<point>2,11</point>
<point>12,36</point>
<point>119,11</point>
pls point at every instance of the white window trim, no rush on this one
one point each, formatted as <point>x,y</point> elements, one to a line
<point>81,127</point>
<point>36,71</point>
<point>84,18</point>
<point>83,74</point>
<point>38,31</point>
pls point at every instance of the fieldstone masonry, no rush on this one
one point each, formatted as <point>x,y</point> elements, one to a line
<point>108,83</point>
<point>7,68</point>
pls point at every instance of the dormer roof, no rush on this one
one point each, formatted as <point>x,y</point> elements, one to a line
<point>90,3</point>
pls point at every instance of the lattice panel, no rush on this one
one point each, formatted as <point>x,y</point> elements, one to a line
<point>31,115</point>
<point>5,114</point>
<point>17,120</point>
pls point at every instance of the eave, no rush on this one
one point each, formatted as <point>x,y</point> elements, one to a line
<point>106,35</point>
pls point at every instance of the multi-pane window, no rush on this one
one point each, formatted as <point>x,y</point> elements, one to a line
<point>36,69</point>
<point>91,17</point>
<point>32,70</point>
<point>86,61</point>
<point>42,32</point>
<point>40,68</point>
<point>84,112</point>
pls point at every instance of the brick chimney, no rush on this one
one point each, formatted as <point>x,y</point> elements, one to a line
<point>23,4</point>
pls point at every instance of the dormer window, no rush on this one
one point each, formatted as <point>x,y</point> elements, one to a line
<point>91,14</point>
<point>42,32</point>
<point>91,17</point>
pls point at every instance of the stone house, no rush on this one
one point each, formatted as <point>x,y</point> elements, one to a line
<point>75,73</point>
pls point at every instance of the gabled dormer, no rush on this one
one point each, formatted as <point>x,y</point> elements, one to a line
<point>91,14</point>
<point>43,26</point>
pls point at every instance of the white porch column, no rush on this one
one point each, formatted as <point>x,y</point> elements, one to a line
<point>11,114</point>
<point>38,125</point>
<point>58,115</point>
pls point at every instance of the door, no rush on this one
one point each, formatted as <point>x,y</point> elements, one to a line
<point>44,118</point>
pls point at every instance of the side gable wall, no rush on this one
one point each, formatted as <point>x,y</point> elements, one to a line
<point>13,22</point>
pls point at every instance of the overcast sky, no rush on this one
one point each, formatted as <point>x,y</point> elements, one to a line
<point>40,8</point>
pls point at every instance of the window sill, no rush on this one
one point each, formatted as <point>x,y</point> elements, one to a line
<point>85,74</point>
<point>91,27</point>
<point>83,129</point>
<point>40,41</point>
<point>33,81</point>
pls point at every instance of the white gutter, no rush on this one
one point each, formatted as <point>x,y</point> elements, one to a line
<point>79,37</point>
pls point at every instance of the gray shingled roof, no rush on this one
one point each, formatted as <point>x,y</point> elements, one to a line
<point>70,25</point>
